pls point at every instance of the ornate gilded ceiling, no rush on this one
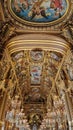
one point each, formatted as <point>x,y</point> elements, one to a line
<point>37,76</point>
<point>36,65</point>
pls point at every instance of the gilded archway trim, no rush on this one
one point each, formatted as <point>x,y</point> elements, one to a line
<point>51,43</point>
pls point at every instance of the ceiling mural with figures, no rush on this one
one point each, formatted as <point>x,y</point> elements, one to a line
<point>38,11</point>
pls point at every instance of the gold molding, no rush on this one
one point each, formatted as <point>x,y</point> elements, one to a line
<point>51,45</point>
<point>13,67</point>
<point>1,13</point>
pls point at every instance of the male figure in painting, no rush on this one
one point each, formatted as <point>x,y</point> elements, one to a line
<point>21,4</point>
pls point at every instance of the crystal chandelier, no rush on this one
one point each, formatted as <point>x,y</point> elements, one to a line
<point>55,119</point>
<point>15,118</point>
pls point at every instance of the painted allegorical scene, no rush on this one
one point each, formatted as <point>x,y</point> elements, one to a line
<point>39,10</point>
<point>35,72</point>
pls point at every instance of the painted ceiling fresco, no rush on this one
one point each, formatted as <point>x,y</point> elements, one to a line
<point>39,11</point>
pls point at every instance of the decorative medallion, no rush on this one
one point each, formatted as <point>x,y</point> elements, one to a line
<point>38,12</point>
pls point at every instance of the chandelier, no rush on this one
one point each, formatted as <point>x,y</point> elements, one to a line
<point>55,118</point>
<point>15,118</point>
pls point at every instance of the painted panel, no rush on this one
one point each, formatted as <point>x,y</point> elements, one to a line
<point>35,72</point>
<point>39,11</point>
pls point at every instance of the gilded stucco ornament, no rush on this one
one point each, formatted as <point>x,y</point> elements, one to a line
<point>6,32</point>
<point>67,30</point>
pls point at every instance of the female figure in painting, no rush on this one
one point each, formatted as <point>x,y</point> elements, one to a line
<point>57,6</point>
